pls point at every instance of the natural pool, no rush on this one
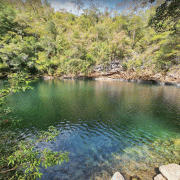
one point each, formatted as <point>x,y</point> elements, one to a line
<point>106,126</point>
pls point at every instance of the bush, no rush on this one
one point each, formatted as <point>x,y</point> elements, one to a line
<point>124,66</point>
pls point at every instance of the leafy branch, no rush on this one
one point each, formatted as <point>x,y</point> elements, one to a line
<point>19,156</point>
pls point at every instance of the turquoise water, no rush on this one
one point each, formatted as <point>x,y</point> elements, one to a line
<point>97,119</point>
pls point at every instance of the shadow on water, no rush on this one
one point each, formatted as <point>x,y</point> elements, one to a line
<point>98,121</point>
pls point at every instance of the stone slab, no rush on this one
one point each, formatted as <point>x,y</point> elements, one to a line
<point>170,171</point>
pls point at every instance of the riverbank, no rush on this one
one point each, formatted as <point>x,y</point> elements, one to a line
<point>145,76</point>
<point>115,71</point>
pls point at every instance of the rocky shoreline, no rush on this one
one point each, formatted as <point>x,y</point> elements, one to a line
<point>117,72</point>
<point>129,76</point>
<point>167,172</point>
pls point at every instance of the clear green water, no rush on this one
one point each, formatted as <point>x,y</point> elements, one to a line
<point>97,119</point>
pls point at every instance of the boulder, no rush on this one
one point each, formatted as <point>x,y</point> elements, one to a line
<point>170,171</point>
<point>117,176</point>
<point>159,177</point>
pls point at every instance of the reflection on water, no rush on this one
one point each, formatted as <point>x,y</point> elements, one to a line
<point>97,120</point>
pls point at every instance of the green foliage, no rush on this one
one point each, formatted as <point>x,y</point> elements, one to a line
<point>169,9</point>
<point>36,39</point>
<point>19,157</point>
<point>124,65</point>
<point>17,82</point>
<point>26,159</point>
<point>7,17</point>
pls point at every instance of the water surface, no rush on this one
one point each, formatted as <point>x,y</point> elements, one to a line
<point>97,119</point>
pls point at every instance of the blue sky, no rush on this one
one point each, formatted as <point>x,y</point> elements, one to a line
<point>60,4</point>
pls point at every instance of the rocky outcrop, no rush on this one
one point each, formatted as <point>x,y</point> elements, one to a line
<point>117,176</point>
<point>115,70</point>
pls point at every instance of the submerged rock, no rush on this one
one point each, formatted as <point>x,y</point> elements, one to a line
<point>171,171</point>
<point>117,176</point>
<point>159,177</point>
<point>176,142</point>
<point>135,178</point>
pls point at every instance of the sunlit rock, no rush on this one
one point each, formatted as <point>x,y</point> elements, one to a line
<point>159,177</point>
<point>171,171</point>
<point>117,176</point>
<point>158,75</point>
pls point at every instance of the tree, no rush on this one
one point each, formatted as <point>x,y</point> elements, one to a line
<point>36,39</point>
<point>166,10</point>
<point>169,10</point>
<point>7,17</point>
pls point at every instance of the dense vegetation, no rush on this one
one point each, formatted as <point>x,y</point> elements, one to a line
<point>36,39</point>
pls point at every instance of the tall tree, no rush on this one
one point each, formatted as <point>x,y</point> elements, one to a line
<point>166,10</point>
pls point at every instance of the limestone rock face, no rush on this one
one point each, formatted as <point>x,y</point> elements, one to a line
<point>117,176</point>
<point>159,177</point>
<point>170,171</point>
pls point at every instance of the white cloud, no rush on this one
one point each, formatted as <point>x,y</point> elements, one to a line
<point>70,7</point>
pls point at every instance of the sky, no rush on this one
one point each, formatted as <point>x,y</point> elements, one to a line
<point>67,4</point>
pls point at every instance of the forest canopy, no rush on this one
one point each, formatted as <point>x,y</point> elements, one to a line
<point>35,38</point>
